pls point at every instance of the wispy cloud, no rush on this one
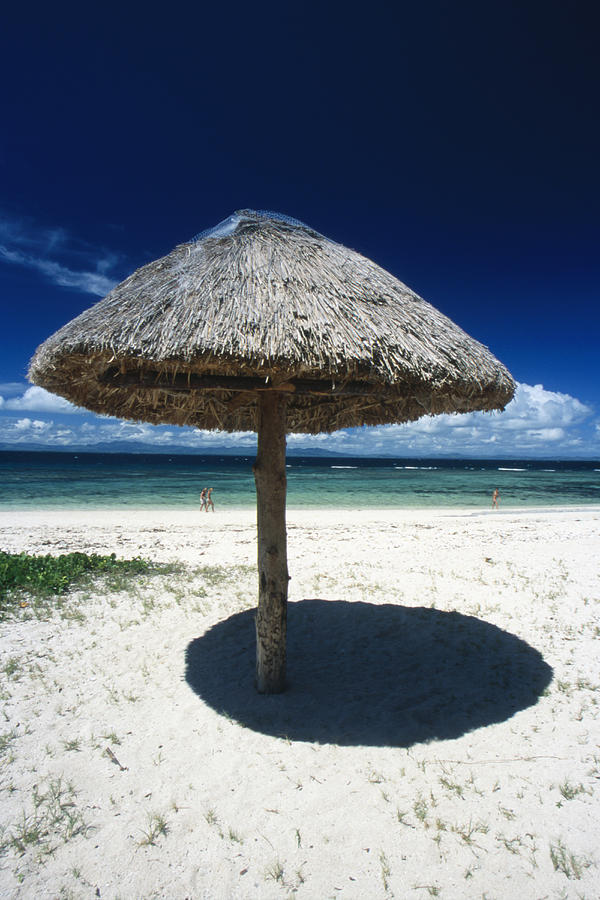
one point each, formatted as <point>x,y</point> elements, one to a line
<point>537,423</point>
<point>62,259</point>
<point>10,388</point>
<point>88,282</point>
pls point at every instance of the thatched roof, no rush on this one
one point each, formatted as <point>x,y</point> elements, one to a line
<point>263,301</point>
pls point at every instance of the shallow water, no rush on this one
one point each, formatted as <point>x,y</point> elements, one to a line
<point>38,480</point>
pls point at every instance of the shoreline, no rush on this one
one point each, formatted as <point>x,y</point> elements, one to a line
<point>379,511</point>
<point>301,513</point>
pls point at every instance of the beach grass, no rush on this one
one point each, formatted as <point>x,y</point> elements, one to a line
<point>31,581</point>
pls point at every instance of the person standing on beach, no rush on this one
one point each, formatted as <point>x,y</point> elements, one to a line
<point>203,500</point>
<point>495,499</point>
<point>209,501</point>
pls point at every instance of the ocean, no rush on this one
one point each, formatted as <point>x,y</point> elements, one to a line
<point>41,480</point>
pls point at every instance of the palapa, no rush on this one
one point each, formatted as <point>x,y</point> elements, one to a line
<point>263,324</point>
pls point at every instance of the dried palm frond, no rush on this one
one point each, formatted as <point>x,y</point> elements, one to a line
<point>263,302</point>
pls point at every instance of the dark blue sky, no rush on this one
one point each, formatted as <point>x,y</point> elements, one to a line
<point>455,143</point>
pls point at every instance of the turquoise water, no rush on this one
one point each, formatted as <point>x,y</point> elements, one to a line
<point>38,480</point>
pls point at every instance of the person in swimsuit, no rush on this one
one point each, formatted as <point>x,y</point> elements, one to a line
<point>209,500</point>
<point>203,499</point>
<point>495,499</point>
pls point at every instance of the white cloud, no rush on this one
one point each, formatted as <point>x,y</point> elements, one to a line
<point>37,426</point>
<point>537,423</point>
<point>164,436</point>
<point>36,399</point>
<point>534,406</point>
<point>546,434</point>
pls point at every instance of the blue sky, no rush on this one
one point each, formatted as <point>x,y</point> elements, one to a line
<point>456,144</point>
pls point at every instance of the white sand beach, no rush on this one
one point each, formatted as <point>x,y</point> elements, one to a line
<point>440,735</point>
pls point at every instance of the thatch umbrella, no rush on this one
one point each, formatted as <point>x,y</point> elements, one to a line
<point>263,324</point>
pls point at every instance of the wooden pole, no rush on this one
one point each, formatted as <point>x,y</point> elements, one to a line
<point>270,479</point>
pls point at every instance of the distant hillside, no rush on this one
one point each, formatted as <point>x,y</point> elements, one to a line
<point>139,447</point>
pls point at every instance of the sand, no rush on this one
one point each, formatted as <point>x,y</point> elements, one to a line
<point>440,735</point>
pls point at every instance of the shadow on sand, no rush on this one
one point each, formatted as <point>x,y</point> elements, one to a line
<point>369,674</point>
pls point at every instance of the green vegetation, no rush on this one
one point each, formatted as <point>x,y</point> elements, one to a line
<point>275,872</point>
<point>45,577</point>
<point>157,826</point>
<point>566,862</point>
<point>53,819</point>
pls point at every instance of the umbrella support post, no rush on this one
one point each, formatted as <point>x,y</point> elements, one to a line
<point>270,479</point>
